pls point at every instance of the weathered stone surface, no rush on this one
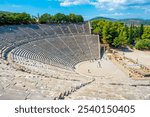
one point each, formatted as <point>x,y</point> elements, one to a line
<point>109,82</point>
<point>12,94</point>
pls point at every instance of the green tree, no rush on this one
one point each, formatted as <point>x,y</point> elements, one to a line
<point>45,18</point>
<point>121,41</point>
<point>127,30</point>
<point>24,18</point>
<point>131,35</point>
<point>107,30</point>
<point>99,25</point>
<point>143,44</point>
<point>7,18</point>
<point>105,33</point>
<point>72,18</point>
<point>97,30</point>
<point>60,18</point>
<point>79,19</point>
<point>146,33</point>
<point>141,31</point>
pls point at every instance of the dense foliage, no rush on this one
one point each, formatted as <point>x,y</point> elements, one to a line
<point>7,18</point>
<point>118,35</point>
<point>143,44</point>
<point>15,18</point>
<point>61,18</point>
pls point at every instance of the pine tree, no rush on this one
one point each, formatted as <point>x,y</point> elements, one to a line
<point>121,41</point>
<point>131,35</point>
<point>141,30</point>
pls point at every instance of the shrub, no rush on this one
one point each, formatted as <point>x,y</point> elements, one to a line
<point>143,44</point>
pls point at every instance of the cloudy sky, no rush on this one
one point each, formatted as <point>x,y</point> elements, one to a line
<point>88,8</point>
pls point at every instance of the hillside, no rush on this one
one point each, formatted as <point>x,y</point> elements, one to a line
<point>105,18</point>
<point>135,21</point>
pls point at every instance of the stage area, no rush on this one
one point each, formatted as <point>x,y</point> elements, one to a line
<point>96,68</point>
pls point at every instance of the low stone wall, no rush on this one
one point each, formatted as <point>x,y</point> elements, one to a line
<point>140,72</point>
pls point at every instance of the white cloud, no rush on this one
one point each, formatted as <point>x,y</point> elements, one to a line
<point>109,5</point>
<point>73,2</point>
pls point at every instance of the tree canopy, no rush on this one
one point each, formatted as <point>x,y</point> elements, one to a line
<point>61,18</point>
<point>8,18</point>
<point>15,18</point>
<point>117,34</point>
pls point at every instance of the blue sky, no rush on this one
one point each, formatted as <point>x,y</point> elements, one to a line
<point>88,8</point>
